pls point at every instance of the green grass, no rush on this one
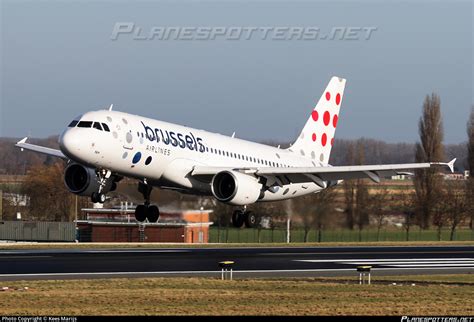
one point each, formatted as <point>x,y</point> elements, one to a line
<point>236,235</point>
<point>431,295</point>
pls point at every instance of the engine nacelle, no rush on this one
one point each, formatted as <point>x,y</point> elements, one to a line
<point>236,188</point>
<point>83,181</point>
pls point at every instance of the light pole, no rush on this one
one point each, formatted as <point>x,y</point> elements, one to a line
<point>201,234</point>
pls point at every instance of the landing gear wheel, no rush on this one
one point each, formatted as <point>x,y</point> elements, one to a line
<point>102,197</point>
<point>250,219</point>
<point>98,197</point>
<point>141,212</point>
<point>153,214</point>
<point>237,219</point>
<point>95,197</point>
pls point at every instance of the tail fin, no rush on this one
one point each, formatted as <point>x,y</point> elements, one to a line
<point>317,136</point>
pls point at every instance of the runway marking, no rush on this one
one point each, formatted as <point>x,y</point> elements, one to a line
<point>404,262</point>
<point>366,253</point>
<point>219,272</point>
<point>470,265</point>
<point>412,263</point>
<point>381,260</point>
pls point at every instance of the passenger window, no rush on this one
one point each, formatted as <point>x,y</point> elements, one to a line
<point>97,126</point>
<point>84,124</point>
<point>73,123</point>
<point>106,127</point>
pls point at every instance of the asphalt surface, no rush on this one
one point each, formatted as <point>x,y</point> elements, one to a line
<point>249,262</point>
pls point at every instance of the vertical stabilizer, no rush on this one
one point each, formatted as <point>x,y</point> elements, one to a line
<point>317,137</point>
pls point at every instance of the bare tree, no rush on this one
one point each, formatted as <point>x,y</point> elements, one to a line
<point>362,200</point>
<point>362,206</point>
<point>457,205</point>
<point>440,211</point>
<point>323,207</point>
<point>314,209</point>
<point>48,197</point>
<point>377,206</point>
<point>427,182</point>
<point>303,206</point>
<point>407,206</point>
<point>350,190</point>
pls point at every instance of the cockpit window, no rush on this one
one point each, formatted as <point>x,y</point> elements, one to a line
<point>106,127</point>
<point>73,123</point>
<point>84,124</point>
<point>97,126</point>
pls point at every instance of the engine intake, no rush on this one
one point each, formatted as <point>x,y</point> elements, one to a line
<point>83,181</point>
<point>235,188</point>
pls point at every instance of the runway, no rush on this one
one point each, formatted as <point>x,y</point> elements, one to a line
<point>249,262</point>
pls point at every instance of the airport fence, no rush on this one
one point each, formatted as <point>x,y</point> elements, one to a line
<point>37,231</point>
<point>279,235</point>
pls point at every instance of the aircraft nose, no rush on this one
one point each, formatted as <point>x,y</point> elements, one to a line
<point>69,143</point>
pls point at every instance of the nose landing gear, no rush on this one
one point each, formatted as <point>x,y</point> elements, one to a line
<point>98,197</point>
<point>146,211</point>
<point>103,176</point>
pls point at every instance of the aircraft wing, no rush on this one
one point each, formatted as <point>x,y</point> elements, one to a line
<point>40,149</point>
<point>320,175</point>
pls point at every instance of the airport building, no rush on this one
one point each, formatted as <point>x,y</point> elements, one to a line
<point>119,225</point>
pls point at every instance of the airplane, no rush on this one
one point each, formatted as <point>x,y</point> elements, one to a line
<point>101,147</point>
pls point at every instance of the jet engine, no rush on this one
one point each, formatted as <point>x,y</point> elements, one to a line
<point>83,181</point>
<point>236,188</point>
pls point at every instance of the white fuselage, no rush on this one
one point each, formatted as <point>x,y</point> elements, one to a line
<point>164,154</point>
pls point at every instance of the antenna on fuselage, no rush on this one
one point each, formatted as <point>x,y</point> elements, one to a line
<point>111,106</point>
<point>233,135</point>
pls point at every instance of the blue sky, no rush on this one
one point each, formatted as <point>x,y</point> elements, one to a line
<point>58,61</point>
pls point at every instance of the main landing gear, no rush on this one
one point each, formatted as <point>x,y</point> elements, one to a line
<point>146,211</point>
<point>240,217</point>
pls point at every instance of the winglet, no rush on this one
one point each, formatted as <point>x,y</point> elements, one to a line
<point>111,107</point>
<point>23,140</point>
<point>450,164</point>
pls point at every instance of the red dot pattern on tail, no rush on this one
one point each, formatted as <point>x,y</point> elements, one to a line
<point>326,118</point>
<point>324,139</point>
<point>315,115</point>
<point>314,137</point>
<point>328,96</point>
<point>338,99</point>
<point>334,120</point>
